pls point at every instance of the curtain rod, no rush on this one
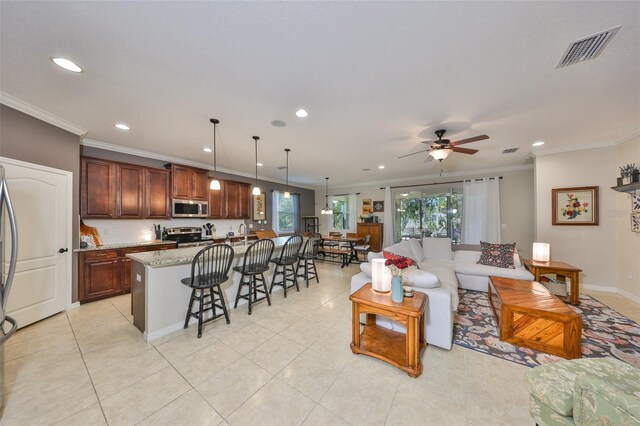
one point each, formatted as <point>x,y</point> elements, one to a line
<point>434,183</point>
<point>342,195</point>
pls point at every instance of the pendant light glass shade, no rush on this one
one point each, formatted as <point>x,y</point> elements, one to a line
<point>287,194</point>
<point>256,188</point>
<point>326,209</point>
<point>215,183</point>
<point>440,154</point>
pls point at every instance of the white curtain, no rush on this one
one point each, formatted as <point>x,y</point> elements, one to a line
<point>353,201</point>
<point>389,234</point>
<point>481,211</point>
<point>296,213</point>
<point>274,212</point>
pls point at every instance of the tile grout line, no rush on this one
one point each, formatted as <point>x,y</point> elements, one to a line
<point>104,416</point>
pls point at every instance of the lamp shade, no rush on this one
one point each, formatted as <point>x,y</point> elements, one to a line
<point>380,276</point>
<point>541,252</point>
<point>215,185</point>
<point>440,154</point>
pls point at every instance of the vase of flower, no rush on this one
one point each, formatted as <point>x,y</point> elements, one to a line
<point>397,293</point>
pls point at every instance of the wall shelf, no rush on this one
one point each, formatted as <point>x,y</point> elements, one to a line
<point>630,187</point>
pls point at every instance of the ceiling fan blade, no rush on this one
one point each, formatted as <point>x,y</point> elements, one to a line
<point>469,140</point>
<point>429,159</point>
<point>464,150</point>
<point>413,153</point>
<point>428,142</point>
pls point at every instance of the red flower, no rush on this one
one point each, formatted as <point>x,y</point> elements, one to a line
<point>586,204</point>
<point>576,204</point>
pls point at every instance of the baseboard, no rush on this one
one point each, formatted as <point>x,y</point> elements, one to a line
<point>72,306</point>
<point>602,288</point>
<point>148,337</point>
<point>629,295</point>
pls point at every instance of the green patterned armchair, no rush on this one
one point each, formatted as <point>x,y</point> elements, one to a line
<point>590,391</point>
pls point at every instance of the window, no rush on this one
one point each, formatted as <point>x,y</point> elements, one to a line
<point>344,212</point>
<point>429,213</point>
<point>286,213</point>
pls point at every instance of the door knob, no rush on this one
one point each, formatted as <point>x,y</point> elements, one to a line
<point>63,250</point>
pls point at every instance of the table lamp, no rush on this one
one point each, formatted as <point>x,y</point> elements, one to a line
<point>380,276</point>
<point>541,252</point>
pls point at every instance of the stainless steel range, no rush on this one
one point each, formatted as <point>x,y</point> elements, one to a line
<point>188,237</point>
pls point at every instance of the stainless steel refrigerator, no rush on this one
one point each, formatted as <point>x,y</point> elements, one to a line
<point>8,233</point>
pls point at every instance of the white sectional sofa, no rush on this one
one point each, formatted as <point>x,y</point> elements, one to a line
<point>452,269</point>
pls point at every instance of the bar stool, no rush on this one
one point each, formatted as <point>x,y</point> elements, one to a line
<point>254,265</point>
<point>288,258</point>
<point>307,259</point>
<point>209,268</point>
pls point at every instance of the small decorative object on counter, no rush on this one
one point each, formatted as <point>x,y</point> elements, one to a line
<point>627,172</point>
<point>157,230</point>
<point>408,291</point>
<point>397,267</point>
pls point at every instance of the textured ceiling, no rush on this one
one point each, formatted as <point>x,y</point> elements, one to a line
<point>376,78</point>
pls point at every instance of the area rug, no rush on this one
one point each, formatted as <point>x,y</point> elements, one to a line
<point>605,332</point>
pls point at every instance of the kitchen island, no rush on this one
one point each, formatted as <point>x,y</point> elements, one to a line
<point>159,300</point>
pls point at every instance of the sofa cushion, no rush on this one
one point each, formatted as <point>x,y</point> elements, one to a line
<point>436,249</point>
<point>366,268</point>
<point>399,250</point>
<point>467,256</point>
<point>470,268</point>
<point>416,249</point>
<point>373,255</point>
<point>422,279</point>
<point>498,255</point>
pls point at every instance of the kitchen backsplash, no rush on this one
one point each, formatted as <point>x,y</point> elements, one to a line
<point>131,231</point>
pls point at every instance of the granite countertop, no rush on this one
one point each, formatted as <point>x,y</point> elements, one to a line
<point>163,258</point>
<point>124,245</point>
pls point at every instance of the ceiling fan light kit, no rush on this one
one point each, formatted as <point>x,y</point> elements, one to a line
<point>441,148</point>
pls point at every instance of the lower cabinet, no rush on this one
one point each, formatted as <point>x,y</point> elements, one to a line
<point>106,273</point>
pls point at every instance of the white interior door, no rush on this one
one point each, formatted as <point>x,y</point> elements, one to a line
<point>41,200</point>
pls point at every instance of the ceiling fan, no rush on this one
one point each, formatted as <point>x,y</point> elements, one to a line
<point>441,148</point>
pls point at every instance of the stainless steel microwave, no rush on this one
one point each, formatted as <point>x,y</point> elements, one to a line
<point>189,208</point>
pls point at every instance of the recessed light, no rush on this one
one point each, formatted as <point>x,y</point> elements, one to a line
<point>365,170</point>
<point>66,64</point>
<point>122,126</point>
<point>278,123</point>
<point>381,166</point>
<point>207,149</point>
<point>539,143</point>
<point>259,164</point>
<point>301,113</point>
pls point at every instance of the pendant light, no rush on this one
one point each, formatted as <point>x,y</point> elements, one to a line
<point>215,183</point>
<point>326,209</point>
<point>287,194</point>
<point>256,189</point>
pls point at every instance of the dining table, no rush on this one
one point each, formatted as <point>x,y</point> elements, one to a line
<point>347,256</point>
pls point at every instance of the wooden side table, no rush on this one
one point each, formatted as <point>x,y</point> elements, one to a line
<point>398,349</point>
<point>562,271</point>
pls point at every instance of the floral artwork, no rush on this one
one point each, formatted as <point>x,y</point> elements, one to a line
<point>635,203</point>
<point>575,206</point>
<point>635,222</point>
<point>260,206</point>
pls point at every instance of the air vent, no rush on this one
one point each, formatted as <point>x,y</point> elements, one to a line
<point>587,48</point>
<point>509,151</point>
<point>281,167</point>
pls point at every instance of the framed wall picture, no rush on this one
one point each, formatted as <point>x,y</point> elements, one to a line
<point>378,206</point>
<point>635,203</point>
<point>574,206</point>
<point>260,207</point>
<point>635,222</point>
<point>366,207</point>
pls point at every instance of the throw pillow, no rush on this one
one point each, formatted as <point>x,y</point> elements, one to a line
<point>416,249</point>
<point>389,255</point>
<point>422,279</point>
<point>373,255</point>
<point>366,268</point>
<point>436,249</point>
<point>498,255</point>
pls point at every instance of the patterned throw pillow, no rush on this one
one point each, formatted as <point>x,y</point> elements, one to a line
<point>389,255</point>
<point>498,255</point>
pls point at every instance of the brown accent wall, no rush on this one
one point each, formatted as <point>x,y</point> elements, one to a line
<point>26,138</point>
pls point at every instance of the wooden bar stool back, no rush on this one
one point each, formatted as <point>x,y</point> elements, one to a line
<point>287,259</point>
<point>307,260</point>
<point>209,269</point>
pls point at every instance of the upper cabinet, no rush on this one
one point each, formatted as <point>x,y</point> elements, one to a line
<point>188,183</point>
<point>98,183</point>
<point>111,190</point>
<point>230,202</point>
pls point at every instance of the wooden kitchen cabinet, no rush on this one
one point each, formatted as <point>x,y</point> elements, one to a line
<point>98,183</point>
<point>156,194</point>
<point>188,183</point>
<point>129,191</point>
<point>244,201</point>
<point>375,230</point>
<point>217,205</point>
<point>236,200</point>
<point>106,273</point>
<point>112,190</point>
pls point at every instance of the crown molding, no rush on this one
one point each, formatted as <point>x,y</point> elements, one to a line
<point>571,148</point>
<point>171,159</point>
<point>461,174</point>
<point>41,114</point>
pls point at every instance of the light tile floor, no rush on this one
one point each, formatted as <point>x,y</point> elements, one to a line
<point>285,364</point>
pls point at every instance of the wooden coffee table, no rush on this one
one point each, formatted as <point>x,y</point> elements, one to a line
<point>398,349</point>
<point>529,315</point>
<point>562,271</point>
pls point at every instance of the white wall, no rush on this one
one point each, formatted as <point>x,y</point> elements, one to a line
<point>591,248</point>
<point>516,203</point>
<point>628,243</point>
<point>116,231</point>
